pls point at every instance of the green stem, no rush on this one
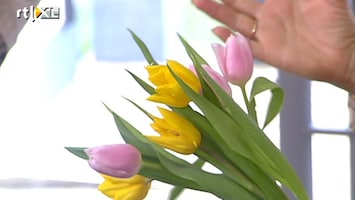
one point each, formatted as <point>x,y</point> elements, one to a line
<point>229,170</point>
<point>177,190</point>
<point>250,105</point>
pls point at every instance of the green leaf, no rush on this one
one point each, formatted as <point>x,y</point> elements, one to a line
<point>262,84</point>
<point>215,150</point>
<point>239,142</point>
<point>142,83</point>
<point>274,162</point>
<point>78,151</point>
<point>204,126</point>
<point>141,109</point>
<point>175,192</point>
<point>152,167</point>
<point>191,52</point>
<point>198,61</point>
<point>227,189</point>
<point>148,56</point>
<point>133,136</point>
<point>161,165</point>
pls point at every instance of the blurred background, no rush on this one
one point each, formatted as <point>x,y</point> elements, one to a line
<point>55,78</point>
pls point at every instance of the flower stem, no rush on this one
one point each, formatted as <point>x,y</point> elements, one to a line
<point>249,104</point>
<point>229,170</point>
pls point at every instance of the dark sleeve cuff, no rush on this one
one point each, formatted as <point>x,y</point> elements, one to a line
<point>3,49</point>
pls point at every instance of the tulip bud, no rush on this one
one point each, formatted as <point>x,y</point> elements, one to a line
<point>219,79</point>
<point>133,188</point>
<point>235,59</point>
<point>168,91</point>
<point>175,133</point>
<point>117,160</point>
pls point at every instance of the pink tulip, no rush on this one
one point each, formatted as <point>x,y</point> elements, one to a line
<point>220,80</point>
<point>235,59</point>
<point>117,160</point>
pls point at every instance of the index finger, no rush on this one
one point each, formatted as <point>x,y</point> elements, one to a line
<point>228,15</point>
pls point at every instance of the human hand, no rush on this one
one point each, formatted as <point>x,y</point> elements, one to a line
<point>311,38</point>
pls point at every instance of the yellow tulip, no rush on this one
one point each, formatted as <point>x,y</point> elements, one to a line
<point>176,133</point>
<point>133,188</point>
<point>168,90</point>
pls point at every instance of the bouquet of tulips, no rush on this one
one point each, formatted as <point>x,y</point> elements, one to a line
<point>199,117</point>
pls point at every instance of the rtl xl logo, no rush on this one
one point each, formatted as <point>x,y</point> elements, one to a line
<point>33,13</point>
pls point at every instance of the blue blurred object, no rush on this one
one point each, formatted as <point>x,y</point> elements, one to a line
<point>63,53</point>
<point>112,41</point>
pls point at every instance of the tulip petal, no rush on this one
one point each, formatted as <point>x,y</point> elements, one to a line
<point>220,52</point>
<point>168,91</point>
<point>175,133</point>
<point>170,94</point>
<point>134,188</point>
<point>118,160</point>
<point>239,59</point>
<point>235,59</point>
<point>185,74</point>
<point>180,144</point>
<point>222,81</point>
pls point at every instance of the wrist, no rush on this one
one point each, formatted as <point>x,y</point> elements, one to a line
<point>3,49</point>
<point>349,83</point>
<point>346,80</point>
<point>351,105</point>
